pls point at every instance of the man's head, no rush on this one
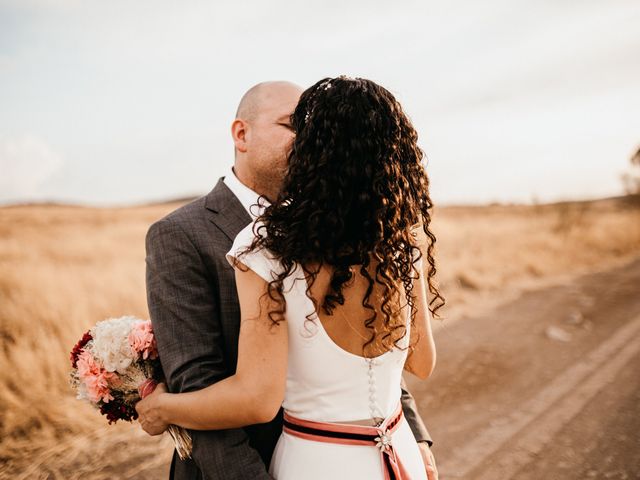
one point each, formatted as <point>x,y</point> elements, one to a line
<point>262,135</point>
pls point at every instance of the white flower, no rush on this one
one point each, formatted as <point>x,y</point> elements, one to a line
<point>111,343</point>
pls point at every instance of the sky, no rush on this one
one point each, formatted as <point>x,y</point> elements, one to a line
<point>117,103</point>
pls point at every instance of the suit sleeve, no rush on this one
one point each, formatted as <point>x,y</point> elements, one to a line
<point>410,410</point>
<point>182,304</point>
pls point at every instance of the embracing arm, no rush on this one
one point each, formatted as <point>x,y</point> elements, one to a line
<point>184,312</point>
<point>422,358</point>
<point>255,392</point>
<point>421,361</point>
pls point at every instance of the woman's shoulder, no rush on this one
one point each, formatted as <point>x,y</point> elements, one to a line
<point>259,258</point>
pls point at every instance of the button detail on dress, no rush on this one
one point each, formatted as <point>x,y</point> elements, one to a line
<point>373,399</point>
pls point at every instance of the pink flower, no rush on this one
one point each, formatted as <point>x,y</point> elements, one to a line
<point>142,340</point>
<point>87,365</point>
<point>95,378</point>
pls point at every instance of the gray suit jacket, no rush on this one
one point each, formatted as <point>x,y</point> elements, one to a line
<point>193,303</point>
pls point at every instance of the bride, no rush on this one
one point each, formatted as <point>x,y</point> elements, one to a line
<point>333,280</point>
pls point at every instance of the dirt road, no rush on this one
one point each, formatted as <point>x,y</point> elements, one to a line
<point>544,387</point>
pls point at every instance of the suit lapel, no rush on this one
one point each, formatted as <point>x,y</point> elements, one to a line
<point>227,213</point>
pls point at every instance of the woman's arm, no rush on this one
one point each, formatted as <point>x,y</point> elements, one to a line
<point>253,394</point>
<point>422,360</point>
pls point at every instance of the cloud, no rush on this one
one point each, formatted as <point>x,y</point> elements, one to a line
<point>26,162</point>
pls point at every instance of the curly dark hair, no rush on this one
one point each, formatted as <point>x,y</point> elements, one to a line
<point>355,192</point>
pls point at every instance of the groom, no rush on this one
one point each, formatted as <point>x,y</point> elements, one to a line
<point>191,289</point>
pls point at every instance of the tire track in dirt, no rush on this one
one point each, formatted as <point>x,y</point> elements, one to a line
<point>528,430</point>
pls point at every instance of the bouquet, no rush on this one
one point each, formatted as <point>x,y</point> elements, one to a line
<point>114,365</point>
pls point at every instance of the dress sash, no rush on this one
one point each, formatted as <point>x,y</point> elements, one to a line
<point>345,434</point>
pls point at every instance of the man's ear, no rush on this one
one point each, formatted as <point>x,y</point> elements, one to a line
<point>239,132</point>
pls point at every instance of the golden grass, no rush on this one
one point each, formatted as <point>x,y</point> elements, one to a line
<point>488,253</point>
<point>64,268</point>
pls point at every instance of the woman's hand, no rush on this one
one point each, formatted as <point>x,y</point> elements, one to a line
<point>150,413</point>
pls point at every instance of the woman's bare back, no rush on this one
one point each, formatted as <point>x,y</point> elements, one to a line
<point>346,326</point>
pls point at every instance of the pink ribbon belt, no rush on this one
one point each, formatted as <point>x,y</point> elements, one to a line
<point>345,434</point>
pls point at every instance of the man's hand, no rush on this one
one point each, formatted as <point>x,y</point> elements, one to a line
<point>429,461</point>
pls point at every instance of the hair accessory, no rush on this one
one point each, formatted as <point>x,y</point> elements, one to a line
<point>325,85</point>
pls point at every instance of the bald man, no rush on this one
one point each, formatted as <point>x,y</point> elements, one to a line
<point>191,290</point>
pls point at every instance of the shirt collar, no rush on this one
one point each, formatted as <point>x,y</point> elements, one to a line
<point>247,197</point>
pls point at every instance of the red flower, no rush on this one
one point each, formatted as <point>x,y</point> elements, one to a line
<point>75,353</point>
<point>118,410</point>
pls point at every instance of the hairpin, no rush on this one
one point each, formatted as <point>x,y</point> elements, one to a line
<point>325,85</point>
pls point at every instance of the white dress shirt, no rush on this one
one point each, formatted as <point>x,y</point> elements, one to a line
<point>248,198</point>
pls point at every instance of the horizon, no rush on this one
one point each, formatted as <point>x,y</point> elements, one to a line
<point>190,198</point>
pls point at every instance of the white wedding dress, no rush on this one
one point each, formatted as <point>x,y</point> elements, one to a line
<point>325,383</point>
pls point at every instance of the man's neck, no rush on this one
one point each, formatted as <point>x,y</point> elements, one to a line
<point>243,178</point>
<point>247,197</point>
<point>248,181</point>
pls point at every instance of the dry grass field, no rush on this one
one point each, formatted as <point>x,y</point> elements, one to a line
<point>488,253</point>
<point>63,268</point>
